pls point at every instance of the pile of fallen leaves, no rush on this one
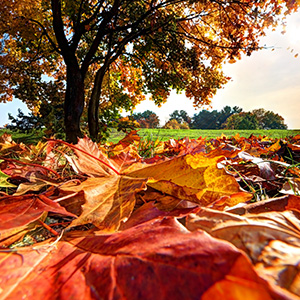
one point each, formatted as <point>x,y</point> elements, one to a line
<point>200,219</point>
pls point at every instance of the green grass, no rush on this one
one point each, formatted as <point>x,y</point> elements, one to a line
<point>164,134</point>
<point>26,138</point>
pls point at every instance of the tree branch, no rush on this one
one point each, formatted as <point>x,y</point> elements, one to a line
<point>58,27</point>
<point>100,34</point>
<point>46,34</point>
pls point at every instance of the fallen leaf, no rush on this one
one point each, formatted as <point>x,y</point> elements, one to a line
<point>8,146</point>
<point>158,259</point>
<point>264,166</point>
<point>258,235</point>
<point>9,236</point>
<point>3,181</point>
<point>287,202</point>
<point>150,211</point>
<point>17,211</point>
<point>90,159</point>
<point>109,200</point>
<point>34,185</point>
<point>291,187</point>
<point>196,178</point>
<point>279,263</point>
<point>109,196</point>
<point>274,147</point>
<point>251,232</point>
<point>127,145</point>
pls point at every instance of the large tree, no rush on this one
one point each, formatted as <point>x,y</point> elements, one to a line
<point>180,116</point>
<point>242,120</point>
<point>225,113</point>
<point>116,51</point>
<point>269,119</point>
<point>205,119</point>
<point>147,119</point>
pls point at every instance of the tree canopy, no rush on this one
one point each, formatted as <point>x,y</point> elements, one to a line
<point>227,118</point>
<point>110,54</point>
<point>213,119</point>
<point>180,116</point>
<point>147,119</point>
<point>242,120</point>
<point>269,119</point>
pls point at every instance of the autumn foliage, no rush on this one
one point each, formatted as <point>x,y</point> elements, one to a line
<point>201,219</point>
<point>104,56</point>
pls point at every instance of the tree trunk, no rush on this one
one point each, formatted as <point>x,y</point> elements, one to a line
<point>93,109</point>
<point>74,103</point>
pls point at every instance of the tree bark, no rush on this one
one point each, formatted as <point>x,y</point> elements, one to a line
<point>74,98</point>
<point>74,103</point>
<point>93,109</point>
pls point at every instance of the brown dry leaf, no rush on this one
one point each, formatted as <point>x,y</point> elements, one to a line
<point>7,145</point>
<point>226,150</point>
<point>256,234</point>
<point>279,263</point>
<point>196,178</point>
<point>150,210</point>
<point>125,159</point>
<point>9,236</point>
<point>25,170</point>
<point>91,160</point>
<point>130,138</point>
<point>275,147</point>
<point>127,145</point>
<point>163,201</point>
<point>109,197</point>
<point>158,259</point>
<point>109,200</point>
<point>291,187</point>
<point>6,138</point>
<point>264,166</point>
<point>287,202</point>
<point>232,200</point>
<point>250,233</point>
<point>34,185</point>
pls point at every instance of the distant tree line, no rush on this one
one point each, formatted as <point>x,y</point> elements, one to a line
<point>227,118</point>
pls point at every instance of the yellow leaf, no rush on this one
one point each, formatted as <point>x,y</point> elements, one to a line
<point>192,177</point>
<point>275,147</point>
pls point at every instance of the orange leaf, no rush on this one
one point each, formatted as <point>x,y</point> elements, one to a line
<point>108,200</point>
<point>158,259</point>
<point>259,236</point>
<point>91,160</point>
<point>16,211</point>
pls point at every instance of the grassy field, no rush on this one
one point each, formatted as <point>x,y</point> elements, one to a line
<point>26,138</point>
<point>165,134</point>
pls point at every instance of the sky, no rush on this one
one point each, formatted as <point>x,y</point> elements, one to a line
<point>267,79</point>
